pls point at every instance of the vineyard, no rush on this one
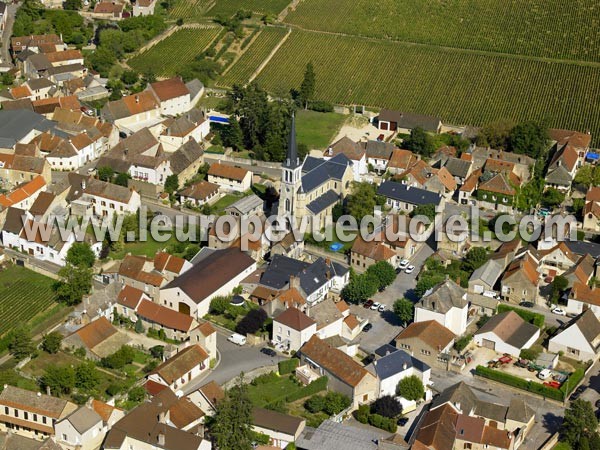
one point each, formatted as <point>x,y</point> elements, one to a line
<point>462,87</point>
<point>175,52</point>
<point>545,28</point>
<point>18,301</point>
<point>251,60</point>
<point>189,9</point>
<point>229,7</point>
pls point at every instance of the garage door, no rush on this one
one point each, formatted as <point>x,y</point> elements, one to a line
<point>184,308</point>
<point>488,344</point>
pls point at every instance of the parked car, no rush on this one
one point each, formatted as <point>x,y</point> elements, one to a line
<point>409,269</point>
<point>575,395</point>
<point>402,421</point>
<point>367,327</point>
<point>268,351</point>
<point>526,304</point>
<point>559,312</point>
<point>375,306</point>
<point>381,308</point>
<point>544,374</point>
<point>597,403</point>
<point>403,264</point>
<point>522,363</point>
<point>553,384</point>
<point>368,304</point>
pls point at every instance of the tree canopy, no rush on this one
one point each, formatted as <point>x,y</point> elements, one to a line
<point>360,288</point>
<point>81,255</point>
<point>307,88</point>
<point>51,342</point>
<point>362,200</point>
<point>232,423</point>
<point>411,388</point>
<point>475,258</point>
<point>404,309</point>
<point>580,422</point>
<point>427,210</point>
<point>420,142</point>
<point>386,406</point>
<point>529,138</point>
<point>384,272</point>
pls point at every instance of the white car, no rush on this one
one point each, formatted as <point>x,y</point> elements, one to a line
<point>403,264</point>
<point>375,306</point>
<point>559,311</point>
<point>381,308</point>
<point>409,269</point>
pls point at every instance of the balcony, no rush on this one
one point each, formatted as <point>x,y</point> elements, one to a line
<point>306,374</point>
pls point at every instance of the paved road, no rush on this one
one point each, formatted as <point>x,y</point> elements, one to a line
<point>386,325</point>
<point>11,11</point>
<point>234,359</point>
<point>592,381</point>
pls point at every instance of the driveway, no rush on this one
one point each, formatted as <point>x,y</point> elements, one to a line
<point>234,360</point>
<point>386,325</point>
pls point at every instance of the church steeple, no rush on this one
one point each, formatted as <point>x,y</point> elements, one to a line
<point>292,161</point>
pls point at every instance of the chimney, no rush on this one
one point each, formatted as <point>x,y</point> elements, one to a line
<point>294,282</point>
<point>137,98</point>
<point>161,438</point>
<point>47,391</point>
<point>404,366</point>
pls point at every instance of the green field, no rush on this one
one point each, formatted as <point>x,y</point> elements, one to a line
<point>462,87</point>
<point>316,129</point>
<point>546,28</point>
<point>170,55</point>
<point>252,58</point>
<point>230,7</point>
<point>23,295</point>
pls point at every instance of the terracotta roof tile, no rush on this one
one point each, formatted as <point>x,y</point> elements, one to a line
<point>229,172</point>
<point>96,332</point>
<point>351,321</point>
<point>170,89</point>
<point>431,332</point>
<point>200,191</point>
<point>181,363</point>
<point>575,138</point>
<point>206,329</point>
<point>294,319</point>
<point>166,317</point>
<point>213,392</point>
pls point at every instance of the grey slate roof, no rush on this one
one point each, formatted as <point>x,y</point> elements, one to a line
<point>510,328</point>
<point>488,273</point>
<point>385,349</point>
<point>317,171</point>
<point>397,362</point>
<point>246,204</point>
<point>583,247</point>
<point>379,149</point>
<point>194,86</point>
<point>338,436</point>
<point>15,125</point>
<point>324,201</point>
<point>412,195</point>
<point>559,176</point>
<point>312,276</point>
<point>443,297</point>
<point>410,120</point>
<point>84,419</point>
<point>458,167</point>
<point>185,155</point>
<point>519,411</point>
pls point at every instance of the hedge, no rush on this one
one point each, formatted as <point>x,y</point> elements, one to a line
<point>462,343</point>
<point>320,384</point>
<point>520,383</point>
<point>287,366</point>
<point>363,415</point>
<point>573,381</point>
<point>527,316</point>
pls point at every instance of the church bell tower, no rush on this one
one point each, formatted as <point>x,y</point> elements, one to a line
<point>291,176</point>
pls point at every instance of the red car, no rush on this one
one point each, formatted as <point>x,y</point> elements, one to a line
<point>368,304</point>
<point>505,359</point>
<point>552,384</point>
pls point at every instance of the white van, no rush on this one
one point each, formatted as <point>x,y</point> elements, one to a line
<point>237,339</point>
<point>544,374</point>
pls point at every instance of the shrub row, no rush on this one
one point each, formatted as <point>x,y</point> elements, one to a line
<point>288,366</point>
<point>520,383</point>
<point>320,384</point>
<point>462,343</point>
<point>527,316</point>
<point>573,381</point>
<point>363,415</point>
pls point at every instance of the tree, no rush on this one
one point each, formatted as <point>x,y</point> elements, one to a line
<point>428,281</point>
<point>75,282</point>
<point>87,376</point>
<point>232,423</point>
<point>106,173</point>
<point>20,345</point>
<point>386,406</point>
<point>158,351</point>
<point>529,138</point>
<point>119,359</point>
<point>411,388</point>
<point>420,142</point>
<point>172,184</point>
<point>136,394</point>
<point>307,88</point>
<point>585,175</point>
<point>360,288</point>
<point>580,421</point>
<point>362,201</point>
<point>59,379</point>
<point>81,255</point>
<point>384,272</point>
<point>427,210</point>
<point>506,227</point>
<point>496,135</point>
<point>530,354</point>
<point>122,179</point>
<point>315,404</point>
<point>552,197</point>
<point>72,5</point>
<point>474,259</point>
<point>51,342</point>
<point>252,322</point>
<point>129,77</point>
<point>558,285</point>
<point>218,305</point>
<point>139,327</point>
<point>404,309</point>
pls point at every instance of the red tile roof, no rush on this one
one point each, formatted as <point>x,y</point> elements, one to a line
<point>294,319</point>
<point>430,332</point>
<point>166,317</point>
<point>181,363</point>
<point>96,332</point>
<point>170,89</point>
<point>229,172</point>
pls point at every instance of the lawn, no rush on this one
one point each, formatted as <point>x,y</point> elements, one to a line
<point>19,303</point>
<point>317,130</point>
<point>148,248</point>
<point>326,243</point>
<point>36,367</point>
<point>271,392</point>
<point>227,200</point>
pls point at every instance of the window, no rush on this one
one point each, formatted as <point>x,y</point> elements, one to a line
<point>26,415</point>
<point>288,333</point>
<point>35,417</point>
<point>64,437</point>
<point>6,410</point>
<point>573,351</point>
<point>468,445</point>
<point>425,352</point>
<point>43,419</point>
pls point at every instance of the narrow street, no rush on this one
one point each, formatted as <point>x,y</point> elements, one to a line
<point>11,11</point>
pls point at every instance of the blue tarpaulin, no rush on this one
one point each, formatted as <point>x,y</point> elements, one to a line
<point>593,156</point>
<point>218,119</point>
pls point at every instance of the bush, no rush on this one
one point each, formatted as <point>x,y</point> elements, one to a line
<point>158,351</point>
<point>119,359</point>
<point>362,413</point>
<point>411,388</point>
<point>218,305</point>
<point>383,422</point>
<point>320,384</point>
<point>252,322</point>
<point>520,383</point>
<point>265,378</point>
<point>462,343</point>
<point>528,316</point>
<point>573,381</point>
<point>288,366</point>
<point>136,394</point>
<point>315,404</point>
<point>114,389</point>
<point>530,353</point>
<point>387,406</point>
<point>320,106</point>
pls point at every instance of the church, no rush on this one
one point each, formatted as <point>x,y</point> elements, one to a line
<point>312,187</point>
